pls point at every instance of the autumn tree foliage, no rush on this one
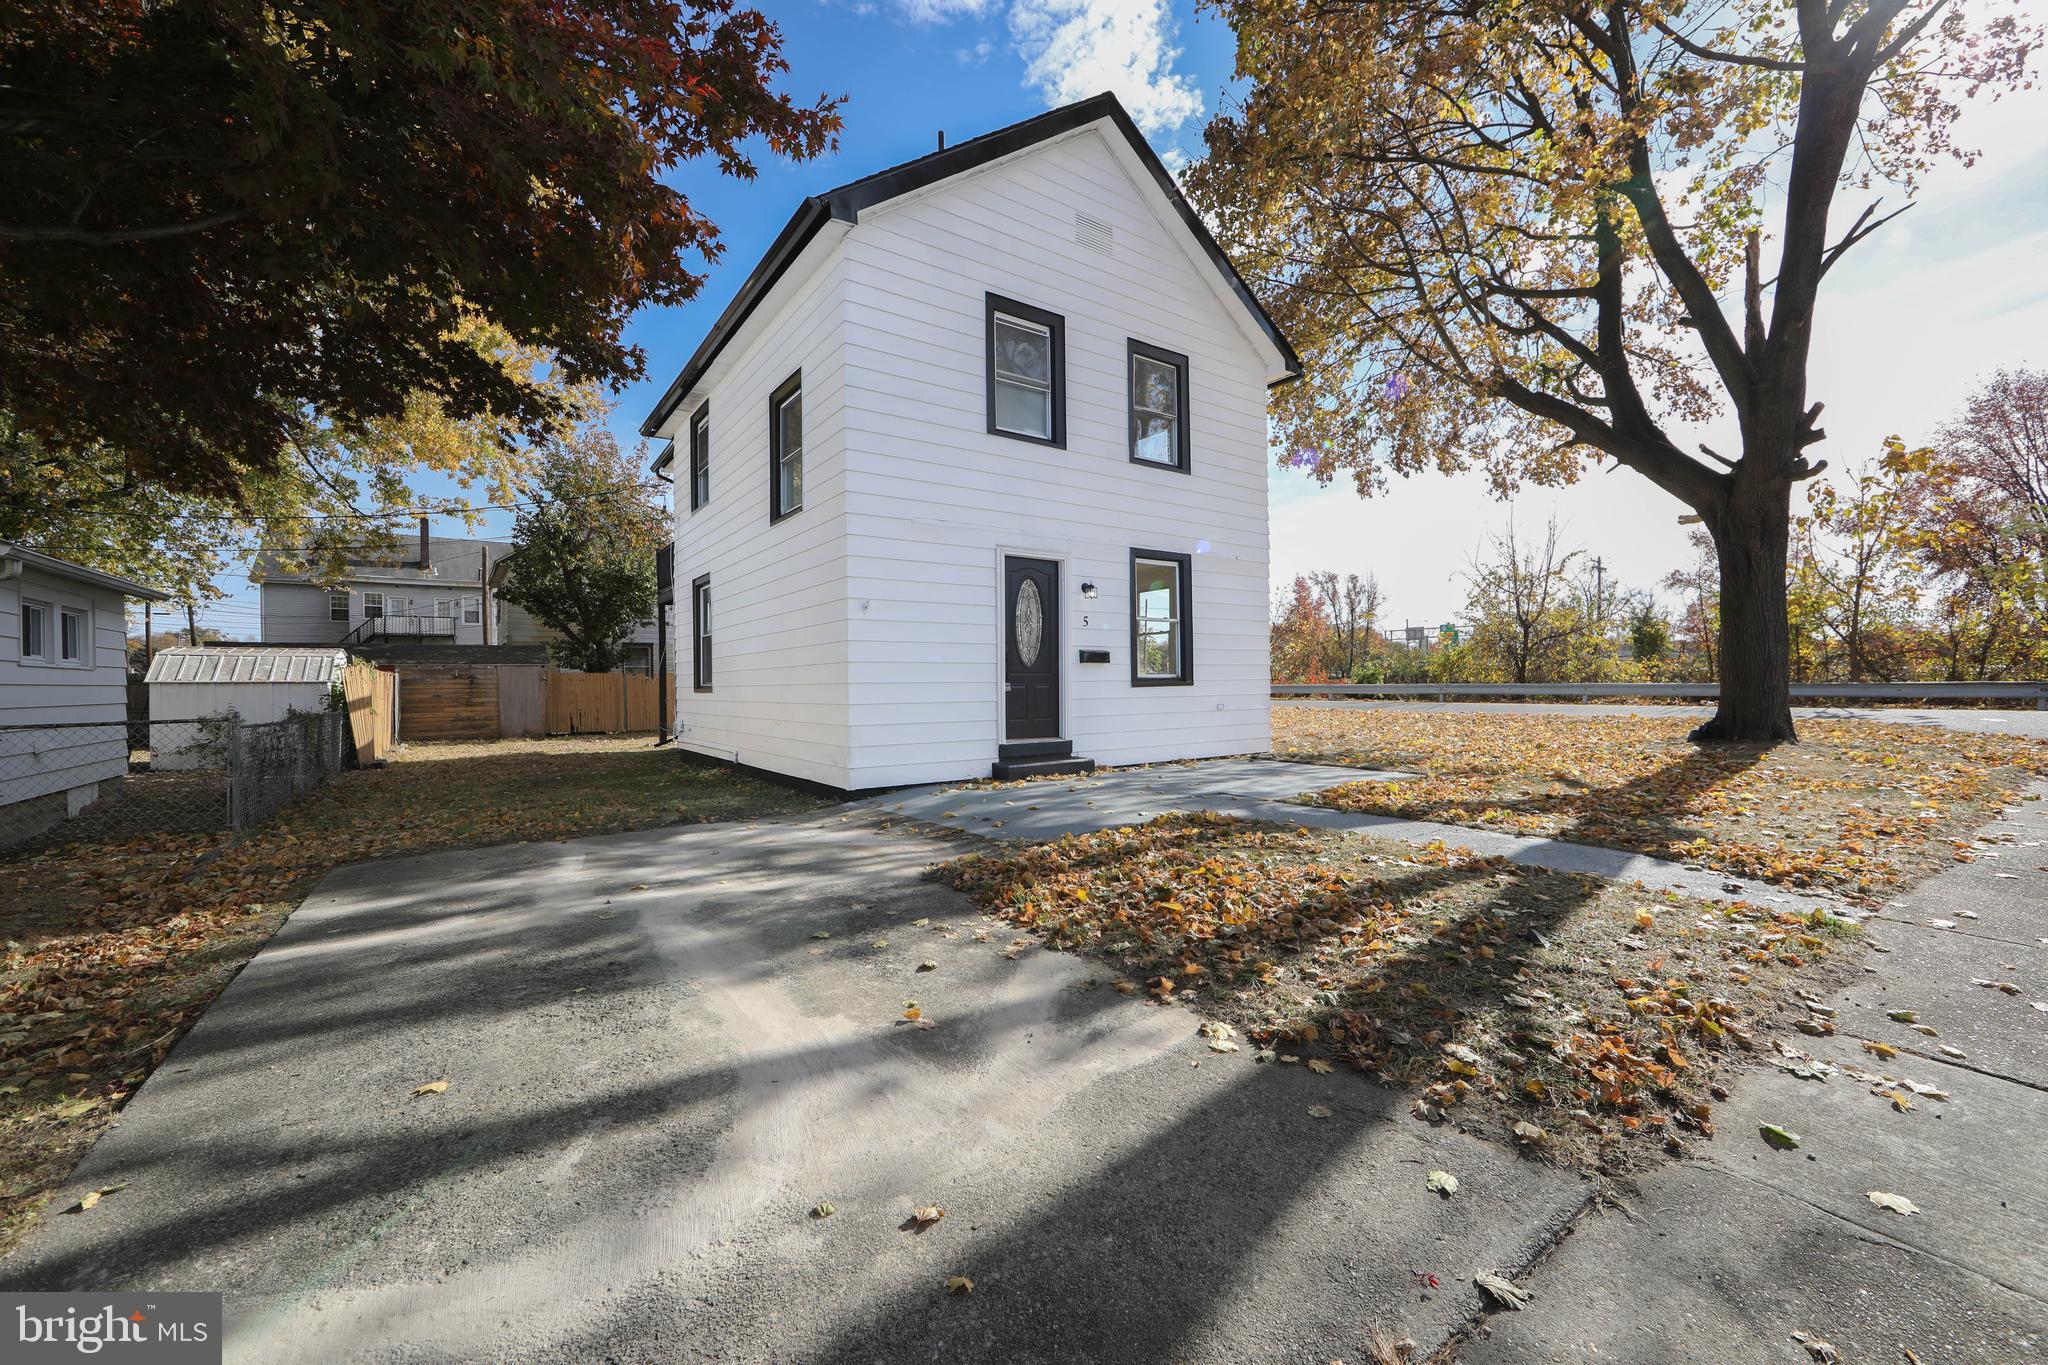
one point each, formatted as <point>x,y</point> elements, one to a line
<point>216,217</point>
<point>1500,235</point>
<point>583,553</point>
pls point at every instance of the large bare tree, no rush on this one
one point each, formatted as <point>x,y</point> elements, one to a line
<point>1513,234</point>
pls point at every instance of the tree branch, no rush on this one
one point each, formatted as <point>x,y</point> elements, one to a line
<point>119,236</point>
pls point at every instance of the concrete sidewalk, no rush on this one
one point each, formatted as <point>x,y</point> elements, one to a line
<point>1725,1257</point>
<point>1263,789</point>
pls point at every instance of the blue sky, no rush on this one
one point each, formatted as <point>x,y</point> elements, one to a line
<point>1910,320</point>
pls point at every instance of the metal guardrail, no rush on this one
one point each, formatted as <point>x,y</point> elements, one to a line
<point>1947,693</point>
<point>401,628</point>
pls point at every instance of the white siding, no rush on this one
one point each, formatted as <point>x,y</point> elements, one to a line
<point>778,592</point>
<point>933,499</point>
<point>36,763</point>
<point>297,613</point>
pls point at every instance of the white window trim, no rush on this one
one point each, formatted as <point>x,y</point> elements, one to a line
<point>373,605</point>
<point>42,654</point>
<point>343,594</point>
<point>83,615</point>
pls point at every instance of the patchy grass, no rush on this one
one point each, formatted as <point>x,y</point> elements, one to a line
<point>1855,808</point>
<point>114,947</point>
<point>1604,1018</point>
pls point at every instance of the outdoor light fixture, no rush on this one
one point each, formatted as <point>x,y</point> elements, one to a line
<point>1088,591</point>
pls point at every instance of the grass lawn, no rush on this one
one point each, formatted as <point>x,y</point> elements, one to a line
<point>1855,808</point>
<point>113,948</point>
<point>1593,1023</point>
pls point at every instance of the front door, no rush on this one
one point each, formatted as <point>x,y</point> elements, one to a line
<point>1031,649</point>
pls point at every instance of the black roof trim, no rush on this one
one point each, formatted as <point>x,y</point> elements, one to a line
<point>845,203</point>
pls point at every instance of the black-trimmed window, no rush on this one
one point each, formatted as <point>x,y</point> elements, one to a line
<point>1158,382</point>
<point>700,634</point>
<point>337,604</point>
<point>1162,626</point>
<point>786,448</point>
<point>700,457</point>
<point>1027,372</point>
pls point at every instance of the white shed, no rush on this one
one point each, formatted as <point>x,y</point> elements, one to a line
<point>259,683</point>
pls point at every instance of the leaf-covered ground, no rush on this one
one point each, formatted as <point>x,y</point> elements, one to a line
<point>113,948</point>
<point>1591,1022</point>
<point>1855,808</point>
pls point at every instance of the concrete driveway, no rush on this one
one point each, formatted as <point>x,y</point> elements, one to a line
<point>658,1065</point>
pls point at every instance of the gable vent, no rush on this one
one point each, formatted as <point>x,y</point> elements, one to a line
<point>1094,234</point>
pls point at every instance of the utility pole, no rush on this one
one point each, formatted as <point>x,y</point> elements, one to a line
<point>191,621</point>
<point>1599,600</point>
<point>148,631</point>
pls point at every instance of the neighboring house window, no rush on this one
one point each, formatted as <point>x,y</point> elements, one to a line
<point>337,604</point>
<point>1161,652</point>
<point>786,448</point>
<point>444,608</point>
<point>373,605</point>
<point>71,636</point>
<point>35,631</point>
<point>1027,372</point>
<point>700,634</point>
<point>1159,407</point>
<point>700,457</point>
<point>472,612</point>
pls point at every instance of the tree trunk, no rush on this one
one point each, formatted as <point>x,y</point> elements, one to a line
<point>1751,533</point>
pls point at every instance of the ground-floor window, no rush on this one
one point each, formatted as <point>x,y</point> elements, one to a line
<point>1161,648</point>
<point>700,634</point>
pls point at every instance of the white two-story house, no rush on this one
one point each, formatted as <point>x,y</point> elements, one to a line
<point>971,475</point>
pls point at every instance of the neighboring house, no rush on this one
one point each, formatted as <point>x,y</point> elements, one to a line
<point>432,590</point>
<point>971,475</point>
<point>63,663</point>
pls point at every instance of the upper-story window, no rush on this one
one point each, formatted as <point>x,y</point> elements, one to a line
<point>1159,407</point>
<point>337,604</point>
<point>700,457</point>
<point>1027,372</point>
<point>786,448</point>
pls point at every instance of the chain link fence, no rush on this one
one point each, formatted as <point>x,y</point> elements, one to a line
<point>124,779</point>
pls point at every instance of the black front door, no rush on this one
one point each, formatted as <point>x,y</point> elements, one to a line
<point>1031,649</point>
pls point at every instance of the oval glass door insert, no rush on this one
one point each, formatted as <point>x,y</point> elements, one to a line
<point>1030,623</point>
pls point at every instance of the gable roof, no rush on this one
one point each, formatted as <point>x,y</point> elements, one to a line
<point>395,563</point>
<point>64,568</point>
<point>844,204</point>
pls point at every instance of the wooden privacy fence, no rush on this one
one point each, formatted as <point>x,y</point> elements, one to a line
<point>371,695</point>
<point>603,703</point>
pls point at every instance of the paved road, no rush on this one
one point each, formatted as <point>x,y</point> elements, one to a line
<point>658,1066</point>
<point>2027,724</point>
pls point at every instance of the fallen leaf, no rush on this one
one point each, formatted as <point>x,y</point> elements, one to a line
<point>637,886</point>
<point>2008,987</point>
<point>1885,1050</point>
<point>1319,1111</point>
<point>1443,1183</point>
<point>913,1013</point>
<point>91,1198</point>
<point>1529,1132</point>
<point>1904,1016</point>
<point>824,1209</point>
<point>430,1088</point>
<point>1782,1138</point>
<point>926,1215</point>
<point>822,933</point>
<point>879,943</point>
<point>1817,1349</point>
<point>959,1284</point>
<point>1502,1290</point>
<point>927,966</point>
<point>1320,1067</point>
<point>1897,1203</point>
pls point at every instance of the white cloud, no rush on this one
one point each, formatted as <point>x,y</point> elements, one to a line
<point>1076,48</point>
<point>976,55</point>
<point>944,11</point>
